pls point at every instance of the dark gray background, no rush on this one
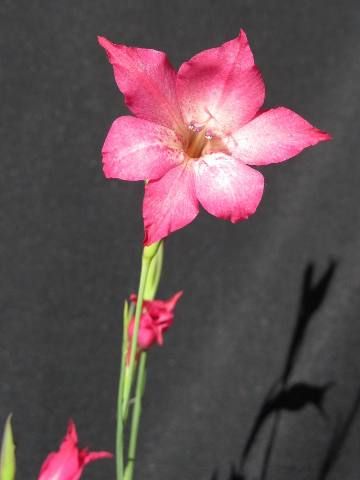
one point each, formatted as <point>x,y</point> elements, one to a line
<point>70,243</point>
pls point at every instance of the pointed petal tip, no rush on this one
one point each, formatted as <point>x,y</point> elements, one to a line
<point>102,41</point>
<point>324,136</point>
<point>172,301</point>
<point>319,136</point>
<point>242,33</point>
<point>71,431</point>
<point>92,456</point>
<point>109,47</point>
<point>176,297</point>
<point>245,216</point>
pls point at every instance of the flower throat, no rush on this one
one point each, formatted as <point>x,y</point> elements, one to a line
<point>198,139</point>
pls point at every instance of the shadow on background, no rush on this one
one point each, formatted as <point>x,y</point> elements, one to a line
<point>337,441</point>
<point>284,395</point>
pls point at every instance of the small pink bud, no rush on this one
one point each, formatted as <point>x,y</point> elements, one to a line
<point>157,316</point>
<point>69,461</point>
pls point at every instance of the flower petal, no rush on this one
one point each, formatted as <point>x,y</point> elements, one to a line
<point>169,203</point>
<point>221,84</point>
<point>146,335</point>
<point>92,456</point>
<point>147,80</point>
<point>71,434</point>
<point>274,136</point>
<point>136,149</point>
<point>228,188</point>
<point>172,301</point>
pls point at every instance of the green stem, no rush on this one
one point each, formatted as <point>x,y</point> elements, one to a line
<point>127,314</point>
<point>127,371</point>
<point>154,274</point>
<point>134,429</point>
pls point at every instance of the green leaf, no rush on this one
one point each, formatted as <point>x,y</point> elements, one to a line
<point>7,455</point>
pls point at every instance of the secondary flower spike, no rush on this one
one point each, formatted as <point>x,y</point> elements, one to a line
<point>157,316</point>
<point>196,132</point>
<point>69,461</point>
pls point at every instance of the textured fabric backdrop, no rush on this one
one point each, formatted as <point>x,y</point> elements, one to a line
<point>70,244</point>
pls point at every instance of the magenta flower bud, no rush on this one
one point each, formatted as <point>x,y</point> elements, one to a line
<point>157,316</point>
<point>69,461</point>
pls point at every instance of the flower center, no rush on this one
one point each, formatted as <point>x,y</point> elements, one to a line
<point>197,140</point>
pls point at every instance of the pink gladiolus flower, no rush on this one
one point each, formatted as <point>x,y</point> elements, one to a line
<point>157,316</point>
<point>69,461</point>
<point>196,132</point>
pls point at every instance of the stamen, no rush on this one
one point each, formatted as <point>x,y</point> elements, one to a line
<point>195,127</point>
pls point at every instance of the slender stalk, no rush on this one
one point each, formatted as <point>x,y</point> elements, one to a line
<point>129,372</point>
<point>147,285</point>
<point>134,429</point>
<point>149,293</point>
<point>154,274</point>
<point>119,448</point>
